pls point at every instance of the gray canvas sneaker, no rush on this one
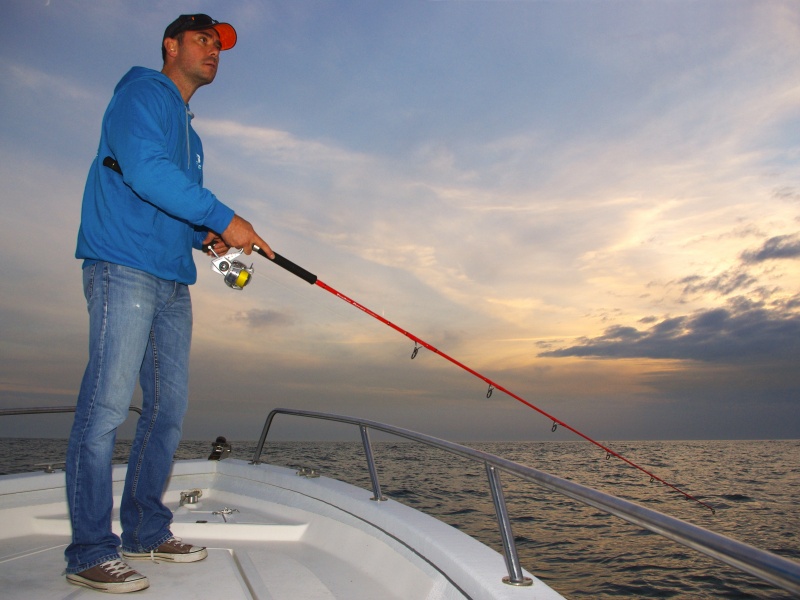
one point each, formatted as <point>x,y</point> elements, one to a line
<point>113,576</point>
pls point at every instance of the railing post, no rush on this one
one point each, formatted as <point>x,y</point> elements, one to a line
<point>262,440</point>
<point>373,473</point>
<point>515,576</point>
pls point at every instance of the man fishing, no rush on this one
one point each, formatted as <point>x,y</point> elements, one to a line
<point>144,210</point>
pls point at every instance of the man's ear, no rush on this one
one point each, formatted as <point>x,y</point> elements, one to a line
<point>171,46</point>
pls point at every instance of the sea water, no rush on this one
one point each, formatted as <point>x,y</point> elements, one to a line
<point>754,487</point>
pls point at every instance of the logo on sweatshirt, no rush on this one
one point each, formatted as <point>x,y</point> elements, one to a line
<point>199,163</point>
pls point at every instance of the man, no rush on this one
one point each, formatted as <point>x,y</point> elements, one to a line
<point>144,209</point>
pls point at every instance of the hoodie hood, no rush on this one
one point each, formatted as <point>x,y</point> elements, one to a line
<point>141,73</point>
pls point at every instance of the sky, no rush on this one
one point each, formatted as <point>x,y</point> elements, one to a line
<point>594,204</point>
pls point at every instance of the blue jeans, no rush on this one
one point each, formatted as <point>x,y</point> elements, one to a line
<point>139,325</point>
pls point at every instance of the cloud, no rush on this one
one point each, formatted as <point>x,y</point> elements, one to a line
<point>260,318</point>
<point>726,283</point>
<point>778,247</point>
<point>27,77</point>
<point>742,331</point>
<point>741,342</point>
<point>279,147</point>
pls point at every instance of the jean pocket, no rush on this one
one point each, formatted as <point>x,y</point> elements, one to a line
<point>88,281</point>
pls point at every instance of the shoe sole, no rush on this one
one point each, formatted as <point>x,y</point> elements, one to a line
<point>167,556</point>
<point>111,588</point>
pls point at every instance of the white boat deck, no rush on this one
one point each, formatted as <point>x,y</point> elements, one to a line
<point>287,538</point>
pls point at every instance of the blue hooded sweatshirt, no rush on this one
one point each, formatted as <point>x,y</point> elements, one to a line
<point>152,215</point>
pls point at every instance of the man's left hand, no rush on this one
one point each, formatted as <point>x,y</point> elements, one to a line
<point>214,241</point>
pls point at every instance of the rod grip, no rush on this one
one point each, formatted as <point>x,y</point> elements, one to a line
<point>293,268</point>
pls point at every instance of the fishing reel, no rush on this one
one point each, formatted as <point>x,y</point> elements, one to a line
<point>236,274</point>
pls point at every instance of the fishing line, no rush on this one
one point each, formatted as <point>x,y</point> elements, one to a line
<point>420,343</point>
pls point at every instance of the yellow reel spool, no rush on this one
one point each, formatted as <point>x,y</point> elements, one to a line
<point>243,279</point>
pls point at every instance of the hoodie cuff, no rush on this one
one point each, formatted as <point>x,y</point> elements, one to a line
<point>219,218</point>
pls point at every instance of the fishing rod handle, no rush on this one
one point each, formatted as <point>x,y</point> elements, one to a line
<point>293,268</point>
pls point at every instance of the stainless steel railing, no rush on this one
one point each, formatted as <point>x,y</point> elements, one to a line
<point>767,566</point>
<point>43,410</point>
<point>47,410</point>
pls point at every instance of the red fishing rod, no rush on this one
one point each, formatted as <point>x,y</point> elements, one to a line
<point>418,342</point>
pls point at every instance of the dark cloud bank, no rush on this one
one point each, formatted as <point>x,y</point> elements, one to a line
<point>742,330</point>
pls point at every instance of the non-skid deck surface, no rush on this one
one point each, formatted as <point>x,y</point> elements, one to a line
<point>33,569</point>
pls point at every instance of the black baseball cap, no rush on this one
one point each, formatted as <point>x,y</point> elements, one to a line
<point>227,34</point>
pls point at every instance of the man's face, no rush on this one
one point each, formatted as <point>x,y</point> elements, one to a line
<point>198,55</point>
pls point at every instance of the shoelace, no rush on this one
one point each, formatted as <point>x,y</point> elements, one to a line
<point>176,541</point>
<point>116,568</point>
<point>173,541</point>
